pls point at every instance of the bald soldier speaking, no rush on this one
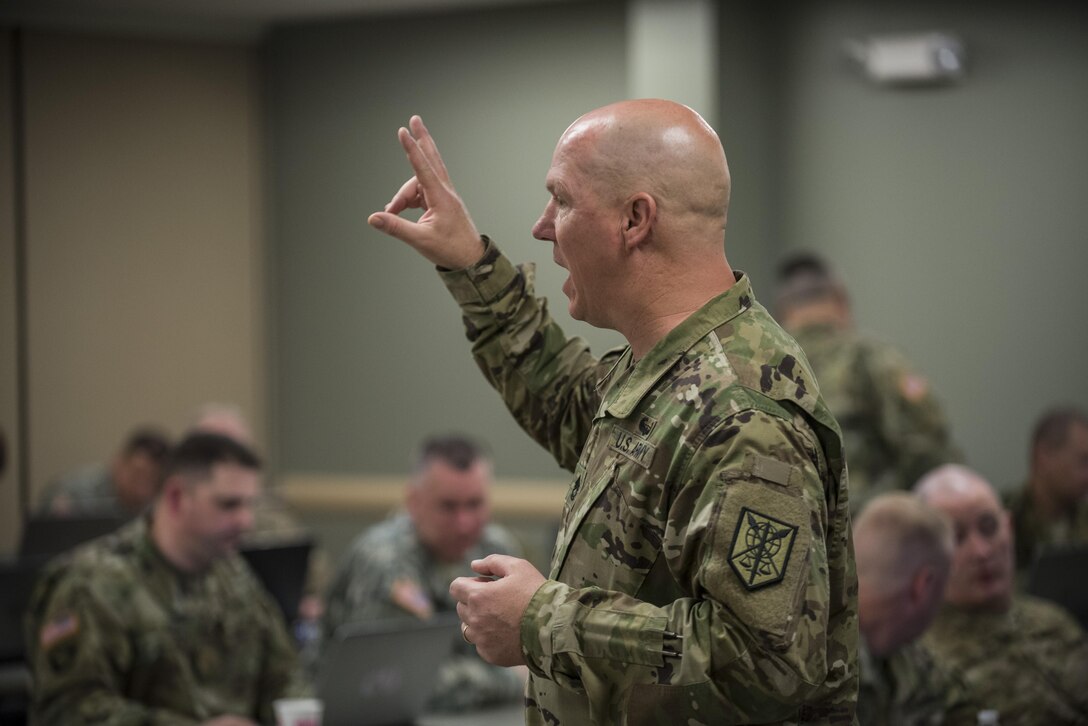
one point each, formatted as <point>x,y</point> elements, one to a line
<point>703,572</point>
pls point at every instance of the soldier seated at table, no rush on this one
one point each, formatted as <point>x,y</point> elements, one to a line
<point>1019,655</point>
<point>161,622</point>
<point>903,550</point>
<point>402,567</point>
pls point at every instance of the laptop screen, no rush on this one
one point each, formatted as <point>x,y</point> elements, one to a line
<point>282,570</point>
<point>49,536</point>
<point>380,673</point>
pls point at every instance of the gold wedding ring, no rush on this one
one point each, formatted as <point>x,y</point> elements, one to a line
<point>464,634</point>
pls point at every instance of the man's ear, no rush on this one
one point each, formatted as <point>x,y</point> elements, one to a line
<point>925,585</point>
<point>173,488</point>
<point>640,214</point>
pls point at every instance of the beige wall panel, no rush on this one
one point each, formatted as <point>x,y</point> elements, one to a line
<point>144,265</point>
<point>9,396</point>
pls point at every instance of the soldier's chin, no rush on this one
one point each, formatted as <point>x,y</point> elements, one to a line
<point>454,553</point>
<point>231,544</point>
<point>992,586</point>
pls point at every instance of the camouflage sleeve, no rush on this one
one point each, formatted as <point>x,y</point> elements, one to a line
<point>911,420</point>
<point>745,539</point>
<point>926,692</point>
<point>362,588</point>
<point>466,681</point>
<point>78,656</point>
<point>1056,647</point>
<point>547,380</point>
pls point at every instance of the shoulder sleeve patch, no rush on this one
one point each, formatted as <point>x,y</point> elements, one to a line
<point>913,387</point>
<point>408,595</point>
<point>761,549</point>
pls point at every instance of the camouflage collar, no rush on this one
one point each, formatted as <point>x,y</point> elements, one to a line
<point>624,392</point>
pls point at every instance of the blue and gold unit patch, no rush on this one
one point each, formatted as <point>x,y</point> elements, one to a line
<point>761,549</point>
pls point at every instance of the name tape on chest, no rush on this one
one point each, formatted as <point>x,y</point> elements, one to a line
<point>634,447</point>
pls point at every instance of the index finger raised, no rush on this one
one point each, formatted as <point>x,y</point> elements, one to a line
<point>427,145</point>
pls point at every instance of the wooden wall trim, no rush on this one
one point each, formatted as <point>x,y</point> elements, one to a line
<point>377,495</point>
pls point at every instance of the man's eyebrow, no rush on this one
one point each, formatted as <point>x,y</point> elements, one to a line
<point>555,187</point>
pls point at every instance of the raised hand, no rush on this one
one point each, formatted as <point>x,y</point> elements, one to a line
<point>445,234</point>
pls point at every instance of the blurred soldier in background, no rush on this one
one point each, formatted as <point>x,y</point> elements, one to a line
<point>1051,510</point>
<point>161,621</point>
<point>124,488</point>
<point>273,521</point>
<point>904,551</point>
<point>892,425</point>
<point>1024,657</point>
<point>402,568</point>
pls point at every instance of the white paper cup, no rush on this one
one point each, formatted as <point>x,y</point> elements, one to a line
<point>298,711</point>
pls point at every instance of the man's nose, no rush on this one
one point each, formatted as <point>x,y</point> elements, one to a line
<point>466,519</point>
<point>245,519</point>
<point>979,545</point>
<point>544,229</point>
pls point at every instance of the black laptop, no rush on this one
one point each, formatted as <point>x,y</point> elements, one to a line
<point>17,578</point>
<point>282,569</point>
<point>1061,575</point>
<point>49,536</point>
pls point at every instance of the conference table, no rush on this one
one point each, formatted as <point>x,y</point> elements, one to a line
<point>511,715</point>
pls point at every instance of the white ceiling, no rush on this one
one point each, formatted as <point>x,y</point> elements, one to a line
<point>211,18</point>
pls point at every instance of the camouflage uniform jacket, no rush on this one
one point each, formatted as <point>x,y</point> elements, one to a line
<point>892,426</point>
<point>1029,663</point>
<point>388,573</point>
<point>1033,534</point>
<point>88,492</point>
<point>908,688</point>
<point>117,636</point>
<point>703,572</point>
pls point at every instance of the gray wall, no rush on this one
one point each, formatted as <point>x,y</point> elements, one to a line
<point>370,347</point>
<point>954,213</point>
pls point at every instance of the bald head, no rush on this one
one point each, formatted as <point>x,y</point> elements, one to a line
<point>954,483</point>
<point>982,565</point>
<point>660,147</point>
<point>638,197</point>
